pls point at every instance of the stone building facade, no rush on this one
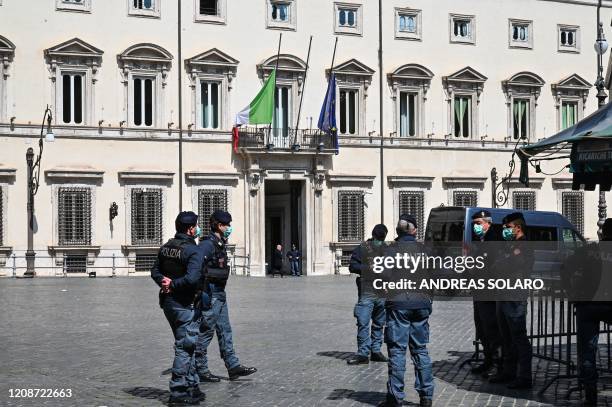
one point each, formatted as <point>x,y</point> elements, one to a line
<point>461,84</point>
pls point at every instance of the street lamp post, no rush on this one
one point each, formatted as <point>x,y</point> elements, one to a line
<point>33,183</point>
<point>601,46</point>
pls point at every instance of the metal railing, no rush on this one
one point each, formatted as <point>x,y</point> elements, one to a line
<point>284,139</point>
<point>79,265</point>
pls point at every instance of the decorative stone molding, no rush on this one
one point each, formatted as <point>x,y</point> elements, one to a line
<point>399,181</point>
<point>131,251</point>
<point>212,66</point>
<point>74,56</point>
<point>572,88</point>
<point>290,68</point>
<point>465,82</point>
<point>412,78</point>
<point>5,253</point>
<point>212,178</point>
<point>534,183</point>
<point>7,53</point>
<point>255,180</point>
<point>8,174</point>
<point>62,176</point>
<point>147,61</point>
<point>341,179</point>
<point>142,176</point>
<point>561,183</point>
<point>523,85</point>
<point>464,182</point>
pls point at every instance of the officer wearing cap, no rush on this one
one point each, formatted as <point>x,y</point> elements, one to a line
<point>516,261</point>
<point>485,320</point>
<point>369,307</point>
<point>177,271</point>
<point>407,327</point>
<point>213,304</point>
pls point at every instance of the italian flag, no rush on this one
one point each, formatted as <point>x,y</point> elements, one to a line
<point>259,111</point>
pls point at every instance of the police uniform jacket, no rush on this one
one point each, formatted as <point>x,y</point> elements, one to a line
<point>215,262</point>
<point>180,260</point>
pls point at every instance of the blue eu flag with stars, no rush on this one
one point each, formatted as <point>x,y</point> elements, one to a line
<point>327,118</point>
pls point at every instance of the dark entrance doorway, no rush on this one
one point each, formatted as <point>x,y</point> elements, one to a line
<point>284,216</point>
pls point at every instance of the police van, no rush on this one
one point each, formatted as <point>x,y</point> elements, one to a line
<point>449,231</point>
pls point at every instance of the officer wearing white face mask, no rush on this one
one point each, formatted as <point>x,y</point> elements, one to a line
<point>213,302</point>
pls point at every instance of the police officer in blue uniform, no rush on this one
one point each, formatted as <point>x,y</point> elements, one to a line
<point>177,271</point>
<point>213,304</point>
<point>407,328</point>
<point>485,315</point>
<point>369,307</point>
<point>517,261</point>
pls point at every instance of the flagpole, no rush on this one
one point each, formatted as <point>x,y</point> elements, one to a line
<point>280,39</point>
<point>297,123</point>
<point>331,72</point>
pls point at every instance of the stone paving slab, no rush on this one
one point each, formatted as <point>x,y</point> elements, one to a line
<point>107,340</point>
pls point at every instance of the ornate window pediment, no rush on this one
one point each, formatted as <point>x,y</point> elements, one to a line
<point>211,74</point>
<point>409,85</point>
<point>522,92</point>
<point>7,53</point>
<point>74,66</point>
<point>463,89</point>
<point>570,94</point>
<point>289,67</point>
<point>144,69</point>
<point>354,68</point>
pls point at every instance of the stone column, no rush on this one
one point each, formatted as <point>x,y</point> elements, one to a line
<point>317,255</point>
<point>256,216</point>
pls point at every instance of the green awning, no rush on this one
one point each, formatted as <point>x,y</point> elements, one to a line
<point>596,125</point>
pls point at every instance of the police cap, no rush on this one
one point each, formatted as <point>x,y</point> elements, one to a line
<point>481,214</point>
<point>514,216</point>
<point>185,219</point>
<point>409,218</point>
<point>221,217</point>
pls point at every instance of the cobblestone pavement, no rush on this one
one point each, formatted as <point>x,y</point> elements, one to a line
<point>107,341</point>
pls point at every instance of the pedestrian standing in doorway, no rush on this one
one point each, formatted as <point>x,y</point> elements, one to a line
<point>294,256</point>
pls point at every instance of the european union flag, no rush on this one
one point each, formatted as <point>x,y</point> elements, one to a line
<point>327,118</point>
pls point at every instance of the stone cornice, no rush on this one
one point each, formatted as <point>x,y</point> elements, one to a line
<point>459,182</point>
<point>212,176</point>
<point>399,180</point>
<point>145,175</point>
<point>60,174</point>
<point>534,183</point>
<point>7,173</point>
<point>350,179</point>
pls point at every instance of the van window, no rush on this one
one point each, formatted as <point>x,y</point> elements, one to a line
<point>445,231</point>
<point>572,238</point>
<point>542,234</point>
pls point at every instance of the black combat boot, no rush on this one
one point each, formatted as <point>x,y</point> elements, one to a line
<point>208,378</point>
<point>198,394</point>
<point>378,357</point>
<point>425,402</point>
<point>358,360</point>
<point>236,372</point>
<point>186,400</point>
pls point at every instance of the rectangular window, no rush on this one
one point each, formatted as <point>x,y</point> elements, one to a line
<point>407,23</point>
<point>463,116</point>
<point>75,263</point>
<point>144,4</point>
<point>144,262</point>
<point>568,38</point>
<point>520,33</point>
<point>210,200</point>
<point>72,5</point>
<point>72,98</point>
<point>143,102</point>
<point>569,114</point>
<point>524,200</point>
<point>210,101</point>
<point>282,111</point>
<point>408,114</point>
<point>348,111</point>
<point>347,17</point>
<point>572,203</point>
<point>146,216</point>
<point>462,29</point>
<point>351,214</point>
<point>209,7</point>
<point>413,203</point>
<point>467,199</point>
<point>520,115</point>
<point>280,12</point>
<point>74,216</point>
